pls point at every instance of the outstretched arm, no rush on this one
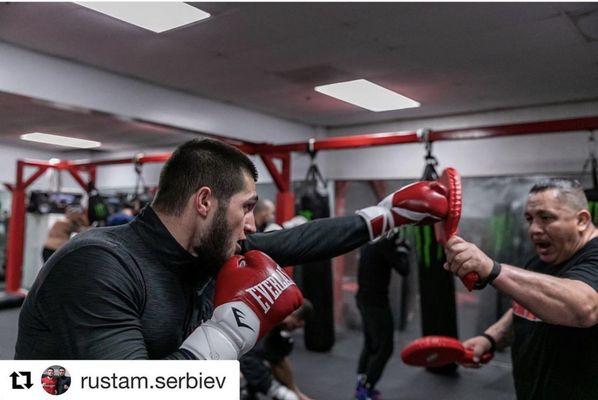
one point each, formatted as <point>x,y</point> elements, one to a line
<point>317,240</point>
<point>571,300</point>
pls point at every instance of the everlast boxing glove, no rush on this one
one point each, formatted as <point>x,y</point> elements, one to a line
<point>421,203</point>
<point>253,294</point>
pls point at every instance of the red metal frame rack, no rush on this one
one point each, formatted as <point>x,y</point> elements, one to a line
<point>269,153</point>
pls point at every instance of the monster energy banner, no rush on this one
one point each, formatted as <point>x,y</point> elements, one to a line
<point>504,242</point>
<point>592,195</point>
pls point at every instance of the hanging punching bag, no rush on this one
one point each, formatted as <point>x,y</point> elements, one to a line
<point>436,285</point>
<point>592,194</point>
<point>316,278</point>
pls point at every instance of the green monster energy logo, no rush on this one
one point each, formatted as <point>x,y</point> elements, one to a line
<point>428,250</point>
<point>308,214</point>
<point>499,230</point>
<point>100,210</point>
<point>593,206</point>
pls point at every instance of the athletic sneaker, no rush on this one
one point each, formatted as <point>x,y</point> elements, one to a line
<point>374,395</point>
<point>361,392</point>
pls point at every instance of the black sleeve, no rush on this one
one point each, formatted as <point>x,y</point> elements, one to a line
<point>93,300</point>
<point>586,272</point>
<point>317,240</point>
<point>277,345</point>
<point>398,257</point>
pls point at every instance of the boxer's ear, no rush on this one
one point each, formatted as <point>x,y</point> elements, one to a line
<point>203,201</point>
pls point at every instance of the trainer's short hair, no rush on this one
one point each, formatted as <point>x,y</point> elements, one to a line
<point>569,191</point>
<point>197,163</point>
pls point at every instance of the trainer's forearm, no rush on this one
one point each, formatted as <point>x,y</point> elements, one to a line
<point>554,300</point>
<point>502,330</point>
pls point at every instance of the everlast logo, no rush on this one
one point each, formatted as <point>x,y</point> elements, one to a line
<point>267,291</point>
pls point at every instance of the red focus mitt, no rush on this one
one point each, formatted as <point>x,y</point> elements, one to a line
<point>444,230</point>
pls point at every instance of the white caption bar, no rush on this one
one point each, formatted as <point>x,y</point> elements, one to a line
<point>131,380</point>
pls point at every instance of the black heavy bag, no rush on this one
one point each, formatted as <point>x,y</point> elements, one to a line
<point>591,163</point>
<point>592,194</point>
<point>97,210</point>
<point>436,285</point>
<point>315,279</point>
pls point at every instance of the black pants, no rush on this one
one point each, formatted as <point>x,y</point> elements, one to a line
<point>378,330</point>
<point>257,373</point>
<point>46,253</point>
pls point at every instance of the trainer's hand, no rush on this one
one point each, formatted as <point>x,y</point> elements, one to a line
<point>463,257</point>
<point>479,345</point>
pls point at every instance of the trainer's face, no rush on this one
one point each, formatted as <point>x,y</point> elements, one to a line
<point>555,229</point>
<point>239,215</point>
<point>61,372</point>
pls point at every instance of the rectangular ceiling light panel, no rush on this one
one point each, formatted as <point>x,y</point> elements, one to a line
<point>58,140</point>
<point>367,95</point>
<point>154,16</point>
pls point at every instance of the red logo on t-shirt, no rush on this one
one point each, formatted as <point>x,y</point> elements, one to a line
<point>522,312</point>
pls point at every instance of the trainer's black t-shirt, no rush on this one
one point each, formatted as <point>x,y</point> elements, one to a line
<point>133,292</point>
<point>554,361</point>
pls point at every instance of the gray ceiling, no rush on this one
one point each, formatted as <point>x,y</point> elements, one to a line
<point>451,57</point>
<point>20,115</point>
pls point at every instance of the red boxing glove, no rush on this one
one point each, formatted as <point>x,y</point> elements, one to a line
<point>253,294</point>
<point>420,203</point>
<point>255,279</point>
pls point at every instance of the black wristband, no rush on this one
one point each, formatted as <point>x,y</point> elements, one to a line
<point>496,268</point>
<point>491,340</point>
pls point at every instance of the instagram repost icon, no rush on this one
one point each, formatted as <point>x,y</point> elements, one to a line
<point>56,380</point>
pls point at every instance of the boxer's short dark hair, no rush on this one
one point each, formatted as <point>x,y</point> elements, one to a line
<point>197,163</point>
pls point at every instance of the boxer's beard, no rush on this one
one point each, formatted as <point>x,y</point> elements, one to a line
<point>215,248</point>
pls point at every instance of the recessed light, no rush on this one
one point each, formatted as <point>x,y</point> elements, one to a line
<point>60,140</point>
<point>154,16</point>
<point>367,95</point>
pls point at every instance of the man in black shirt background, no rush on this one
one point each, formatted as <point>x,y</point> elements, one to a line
<point>376,262</point>
<point>552,326</point>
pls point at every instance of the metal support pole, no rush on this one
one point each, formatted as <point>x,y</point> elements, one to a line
<point>16,234</point>
<point>285,198</point>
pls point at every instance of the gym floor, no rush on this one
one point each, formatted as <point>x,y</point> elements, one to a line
<point>331,376</point>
